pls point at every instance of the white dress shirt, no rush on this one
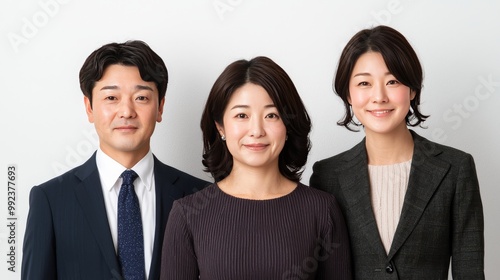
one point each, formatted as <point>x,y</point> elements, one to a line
<point>144,185</point>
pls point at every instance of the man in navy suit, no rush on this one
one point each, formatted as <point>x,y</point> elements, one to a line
<point>72,227</point>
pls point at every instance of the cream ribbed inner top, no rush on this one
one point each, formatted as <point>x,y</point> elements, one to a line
<point>388,185</point>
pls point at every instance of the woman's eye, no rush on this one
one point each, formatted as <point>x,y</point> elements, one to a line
<point>241,116</point>
<point>393,82</point>
<point>363,84</point>
<point>272,116</point>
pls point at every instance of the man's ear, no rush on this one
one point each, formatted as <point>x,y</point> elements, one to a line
<point>88,109</point>
<point>160,110</point>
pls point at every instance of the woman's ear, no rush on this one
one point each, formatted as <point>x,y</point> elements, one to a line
<point>220,128</point>
<point>412,94</point>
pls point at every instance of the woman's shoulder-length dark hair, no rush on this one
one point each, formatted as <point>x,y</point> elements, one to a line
<point>266,73</point>
<point>400,58</point>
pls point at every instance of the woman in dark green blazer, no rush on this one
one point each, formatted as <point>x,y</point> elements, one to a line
<point>410,204</point>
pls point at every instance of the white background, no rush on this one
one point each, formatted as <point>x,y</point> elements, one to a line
<point>43,44</point>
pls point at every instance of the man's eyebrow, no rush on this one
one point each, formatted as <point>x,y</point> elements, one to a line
<point>143,87</point>
<point>109,87</point>
<point>137,87</point>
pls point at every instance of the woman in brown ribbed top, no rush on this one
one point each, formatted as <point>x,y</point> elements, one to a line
<point>257,221</point>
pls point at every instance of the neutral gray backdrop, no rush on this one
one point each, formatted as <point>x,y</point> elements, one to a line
<point>43,44</point>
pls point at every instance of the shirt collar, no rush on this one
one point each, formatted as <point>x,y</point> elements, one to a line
<point>110,170</point>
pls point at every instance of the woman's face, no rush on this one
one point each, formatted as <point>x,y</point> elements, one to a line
<point>379,101</point>
<point>254,131</point>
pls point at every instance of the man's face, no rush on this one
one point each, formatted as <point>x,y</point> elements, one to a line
<point>125,110</point>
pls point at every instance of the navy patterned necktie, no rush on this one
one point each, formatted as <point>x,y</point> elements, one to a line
<point>130,235</point>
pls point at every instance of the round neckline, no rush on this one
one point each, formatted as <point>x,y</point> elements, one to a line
<point>298,185</point>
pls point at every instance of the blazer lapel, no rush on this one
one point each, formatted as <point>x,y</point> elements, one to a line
<point>89,196</point>
<point>166,193</point>
<point>426,174</point>
<point>355,184</point>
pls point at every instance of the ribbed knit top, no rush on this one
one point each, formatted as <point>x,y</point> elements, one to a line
<point>388,185</point>
<point>213,235</point>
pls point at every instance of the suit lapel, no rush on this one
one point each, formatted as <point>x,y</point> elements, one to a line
<point>89,196</point>
<point>426,174</point>
<point>166,193</point>
<point>355,184</point>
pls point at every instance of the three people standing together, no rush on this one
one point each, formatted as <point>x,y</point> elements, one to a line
<point>395,206</point>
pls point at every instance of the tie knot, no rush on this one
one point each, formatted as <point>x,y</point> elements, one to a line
<point>129,177</point>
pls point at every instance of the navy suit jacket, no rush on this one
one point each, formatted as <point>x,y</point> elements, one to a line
<point>67,232</point>
<point>442,214</point>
